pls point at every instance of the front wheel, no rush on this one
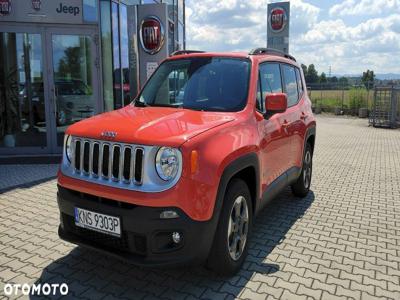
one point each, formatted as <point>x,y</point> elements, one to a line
<point>302,186</point>
<point>230,245</point>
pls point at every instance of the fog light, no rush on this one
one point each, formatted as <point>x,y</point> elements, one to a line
<point>169,214</point>
<point>176,237</point>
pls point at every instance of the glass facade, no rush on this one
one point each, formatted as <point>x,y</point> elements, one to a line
<point>73,83</point>
<point>115,46</point>
<point>22,104</point>
<point>53,76</point>
<point>90,11</point>
<point>106,47</point>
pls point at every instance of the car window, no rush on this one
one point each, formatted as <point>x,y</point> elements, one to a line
<point>199,83</point>
<point>270,75</point>
<point>299,82</point>
<point>290,83</point>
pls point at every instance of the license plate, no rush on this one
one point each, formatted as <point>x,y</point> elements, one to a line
<point>97,222</point>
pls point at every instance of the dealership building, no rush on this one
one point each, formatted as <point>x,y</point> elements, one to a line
<point>63,61</point>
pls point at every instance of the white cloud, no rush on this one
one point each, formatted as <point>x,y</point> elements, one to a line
<point>315,36</point>
<point>234,25</point>
<point>364,7</point>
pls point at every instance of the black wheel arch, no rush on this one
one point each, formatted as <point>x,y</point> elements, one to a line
<point>310,138</point>
<point>245,167</point>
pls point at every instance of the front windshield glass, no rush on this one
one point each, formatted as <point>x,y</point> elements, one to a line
<point>200,83</point>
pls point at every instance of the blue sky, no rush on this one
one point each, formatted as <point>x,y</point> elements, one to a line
<point>348,35</point>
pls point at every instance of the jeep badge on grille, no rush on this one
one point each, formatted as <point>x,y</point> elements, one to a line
<point>109,135</point>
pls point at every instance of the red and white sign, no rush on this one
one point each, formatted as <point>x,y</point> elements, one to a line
<point>5,7</point>
<point>152,34</point>
<point>36,4</point>
<point>278,19</point>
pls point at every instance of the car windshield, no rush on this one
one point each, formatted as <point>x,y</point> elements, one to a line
<point>200,83</point>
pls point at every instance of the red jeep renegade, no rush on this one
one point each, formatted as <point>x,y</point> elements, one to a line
<point>178,176</point>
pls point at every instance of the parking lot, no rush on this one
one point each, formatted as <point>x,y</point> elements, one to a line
<point>342,241</point>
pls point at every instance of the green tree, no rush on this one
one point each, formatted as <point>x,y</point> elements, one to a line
<point>304,67</point>
<point>312,74</point>
<point>322,78</point>
<point>368,78</point>
<point>343,81</point>
<point>333,79</point>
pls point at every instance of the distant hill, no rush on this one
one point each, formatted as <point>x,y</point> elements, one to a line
<point>386,76</point>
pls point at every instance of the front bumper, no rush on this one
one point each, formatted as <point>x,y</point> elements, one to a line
<point>145,239</point>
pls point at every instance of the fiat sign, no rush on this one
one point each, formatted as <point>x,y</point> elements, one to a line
<point>151,34</point>
<point>278,19</point>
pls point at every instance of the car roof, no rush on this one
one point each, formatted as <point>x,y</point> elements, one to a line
<point>257,58</point>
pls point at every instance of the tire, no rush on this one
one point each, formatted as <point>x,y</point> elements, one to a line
<point>302,186</point>
<point>230,244</point>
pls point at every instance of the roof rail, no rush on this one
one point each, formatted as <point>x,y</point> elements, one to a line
<point>271,51</point>
<point>180,52</point>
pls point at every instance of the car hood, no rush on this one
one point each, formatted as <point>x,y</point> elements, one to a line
<point>150,125</point>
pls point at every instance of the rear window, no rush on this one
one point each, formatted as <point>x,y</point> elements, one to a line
<point>290,83</point>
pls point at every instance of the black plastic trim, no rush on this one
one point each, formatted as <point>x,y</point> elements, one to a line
<point>142,221</point>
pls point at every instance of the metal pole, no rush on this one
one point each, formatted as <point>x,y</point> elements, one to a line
<point>342,96</point>
<point>320,87</point>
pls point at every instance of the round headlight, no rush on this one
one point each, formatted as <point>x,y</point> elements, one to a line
<point>167,163</point>
<point>68,150</point>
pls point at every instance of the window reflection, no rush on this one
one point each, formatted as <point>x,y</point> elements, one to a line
<point>22,107</point>
<point>90,10</point>
<point>72,80</point>
<point>124,53</point>
<point>116,55</point>
<point>107,52</point>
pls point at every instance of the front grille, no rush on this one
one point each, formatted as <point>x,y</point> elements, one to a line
<point>108,160</point>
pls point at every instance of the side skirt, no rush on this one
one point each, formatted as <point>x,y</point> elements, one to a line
<point>278,185</point>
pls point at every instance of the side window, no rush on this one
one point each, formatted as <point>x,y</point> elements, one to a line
<point>290,84</point>
<point>259,100</point>
<point>270,75</point>
<point>299,82</point>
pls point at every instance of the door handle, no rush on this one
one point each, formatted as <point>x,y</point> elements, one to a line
<point>285,126</point>
<point>303,116</point>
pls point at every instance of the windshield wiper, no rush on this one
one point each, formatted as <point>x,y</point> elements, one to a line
<point>194,108</point>
<point>140,104</point>
<point>165,105</point>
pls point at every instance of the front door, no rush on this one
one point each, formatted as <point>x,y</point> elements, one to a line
<point>275,143</point>
<point>48,80</point>
<point>73,79</point>
<point>24,124</point>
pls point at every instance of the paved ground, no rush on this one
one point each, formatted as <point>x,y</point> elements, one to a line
<point>342,241</point>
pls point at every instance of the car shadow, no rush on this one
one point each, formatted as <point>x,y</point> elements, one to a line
<point>94,276</point>
<point>26,185</point>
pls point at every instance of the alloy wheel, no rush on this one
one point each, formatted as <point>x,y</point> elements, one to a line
<point>238,228</point>
<point>307,169</point>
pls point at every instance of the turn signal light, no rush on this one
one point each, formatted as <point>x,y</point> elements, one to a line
<point>194,161</point>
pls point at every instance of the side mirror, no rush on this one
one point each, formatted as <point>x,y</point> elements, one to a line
<point>275,103</point>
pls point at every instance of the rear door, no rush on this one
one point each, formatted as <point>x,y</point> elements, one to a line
<point>275,139</point>
<point>293,122</point>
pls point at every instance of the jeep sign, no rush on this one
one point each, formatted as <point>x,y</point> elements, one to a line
<point>151,34</point>
<point>278,19</point>
<point>41,11</point>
